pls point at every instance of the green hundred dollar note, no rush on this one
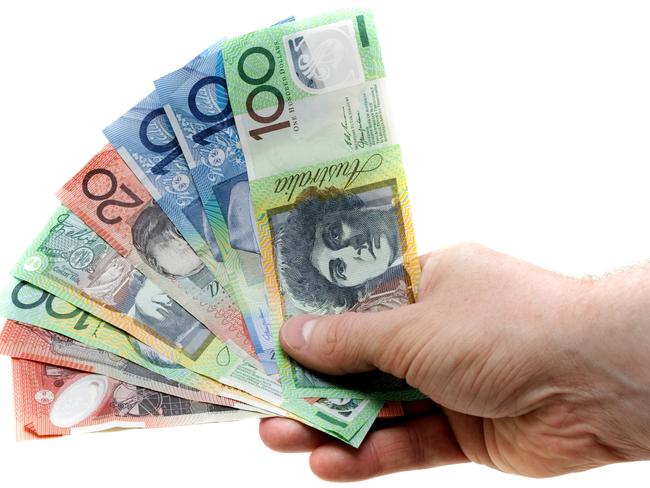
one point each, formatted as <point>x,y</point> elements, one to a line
<point>307,91</point>
<point>70,261</point>
<point>23,341</point>
<point>336,237</point>
<point>26,303</point>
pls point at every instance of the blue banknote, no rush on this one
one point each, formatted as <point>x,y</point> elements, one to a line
<point>145,139</point>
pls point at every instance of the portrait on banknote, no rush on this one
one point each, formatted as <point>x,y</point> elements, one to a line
<point>137,296</point>
<point>79,256</point>
<point>168,319</point>
<point>161,245</point>
<point>340,250</point>
<point>130,292</point>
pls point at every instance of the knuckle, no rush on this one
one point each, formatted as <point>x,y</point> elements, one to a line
<point>447,262</point>
<point>337,338</point>
<point>466,249</point>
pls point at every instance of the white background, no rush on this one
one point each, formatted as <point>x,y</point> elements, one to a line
<point>524,126</point>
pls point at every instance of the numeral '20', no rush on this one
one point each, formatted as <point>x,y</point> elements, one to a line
<point>106,196</point>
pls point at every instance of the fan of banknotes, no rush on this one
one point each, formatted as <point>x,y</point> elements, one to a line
<point>258,182</point>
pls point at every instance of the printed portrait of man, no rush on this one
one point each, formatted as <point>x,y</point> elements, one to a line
<point>162,246</point>
<point>169,320</point>
<point>335,248</point>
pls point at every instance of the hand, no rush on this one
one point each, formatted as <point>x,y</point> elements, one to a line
<point>535,373</point>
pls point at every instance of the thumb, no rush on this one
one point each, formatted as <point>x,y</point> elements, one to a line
<point>356,342</point>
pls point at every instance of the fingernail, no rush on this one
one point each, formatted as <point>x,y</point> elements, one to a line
<point>296,334</point>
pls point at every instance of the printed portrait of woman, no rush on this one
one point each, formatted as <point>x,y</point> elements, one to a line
<point>338,250</point>
<point>161,245</point>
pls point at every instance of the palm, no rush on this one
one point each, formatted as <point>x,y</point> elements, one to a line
<point>548,441</point>
<point>493,338</point>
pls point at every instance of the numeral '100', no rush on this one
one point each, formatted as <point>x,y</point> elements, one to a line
<point>260,87</point>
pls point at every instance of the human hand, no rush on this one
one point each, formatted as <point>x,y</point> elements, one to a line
<point>535,373</point>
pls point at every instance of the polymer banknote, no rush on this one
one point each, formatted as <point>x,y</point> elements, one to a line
<point>146,141</point>
<point>195,100</point>
<point>340,241</point>
<point>55,401</point>
<point>308,91</point>
<point>197,104</point>
<point>328,190</point>
<point>69,260</point>
<point>111,200</point>
<point>26,303</point>
<point>25,341</point>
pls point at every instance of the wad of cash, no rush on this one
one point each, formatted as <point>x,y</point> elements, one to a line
<point>258,182</point>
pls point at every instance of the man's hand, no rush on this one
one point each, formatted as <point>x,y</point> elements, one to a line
<point>535,373</point>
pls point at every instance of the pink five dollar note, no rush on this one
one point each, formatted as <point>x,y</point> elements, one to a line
<point>53,401</point>
<point>23,341</point>
<point>110,199</point>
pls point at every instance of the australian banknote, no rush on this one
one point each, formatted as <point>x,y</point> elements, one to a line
<point>197,105</point>
<point>146,142</point>
<point>25,341</point>
<point>195,100</point>
<point>108,197</point>
<point>140,136</point>
<point>26,303</point>
<point>55,401</point>
<point>328,190</point>
<point>307,91</point>
<point>345,244</point>
<point>69,260</point>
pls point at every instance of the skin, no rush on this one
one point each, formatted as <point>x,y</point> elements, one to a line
<point>352,248</point>
<point>531,372</point>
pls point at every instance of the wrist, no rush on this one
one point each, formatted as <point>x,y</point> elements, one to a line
<point>609,350</point>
